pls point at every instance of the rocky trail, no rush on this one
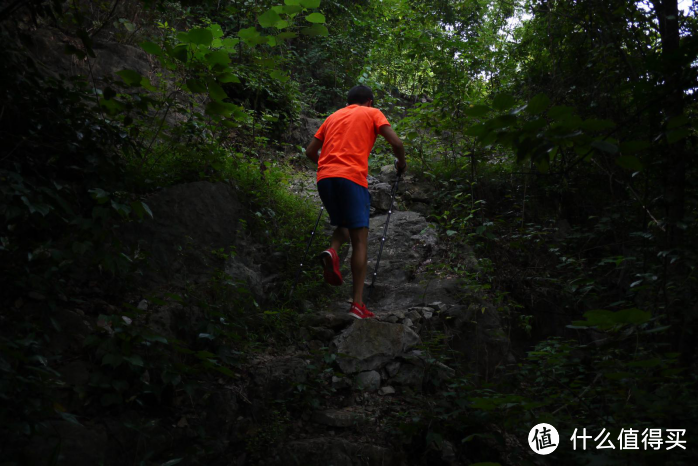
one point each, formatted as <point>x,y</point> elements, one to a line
<point>384,360</point>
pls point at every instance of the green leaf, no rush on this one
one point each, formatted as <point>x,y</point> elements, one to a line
<point>152,48</point>
<point>269,18</point>
<point>630,147</point>
<point>451,232</point>
<point>677,135</point>
<point>315,18</point>
<point>476,130</point>
<point>228,78</point>
<point>605,146</point>
<point>43,209</point>
<point>216,31</point>
<point>181,53</point>
<point>678,121</point>
<point>315,30</point>
<point>141,208</point>
<point>279,75</point>
<point>292,2</point>
<point>130,77</point>
<point>86,42</point>
<point>200,36</point>
<point>559,112</point>
<point>229,44</point>
<point>220,108</point>
<point>310,3</point>
<point>292,9</point>
<point>72,50</point>
<point>538,104</point>
<point>503,102</point>
<point>134,360</point>
<point>629,162</point>
<point>608,319</point>
<point>196,85</point>
<point>219,57</point>
<point>593,124</point>
<point>215,91</point>
<point>477,110</point>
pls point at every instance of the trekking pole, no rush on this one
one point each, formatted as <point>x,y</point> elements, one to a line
<point>310,242</point>
<point>385,231</point>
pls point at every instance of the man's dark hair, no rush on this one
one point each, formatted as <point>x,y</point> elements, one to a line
<point>359,95</point>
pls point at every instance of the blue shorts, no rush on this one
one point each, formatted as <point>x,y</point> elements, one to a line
<point>348,203</point>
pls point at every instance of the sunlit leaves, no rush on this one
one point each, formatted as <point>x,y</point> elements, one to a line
<point>315,30</point>
<point>315,18</point>
<point>269,18</point>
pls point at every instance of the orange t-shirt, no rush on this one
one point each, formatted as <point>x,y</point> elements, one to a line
<point>347,138</point>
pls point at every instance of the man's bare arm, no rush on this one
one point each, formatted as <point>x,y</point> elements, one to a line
<point>312,150</point>
<point>398,148</point>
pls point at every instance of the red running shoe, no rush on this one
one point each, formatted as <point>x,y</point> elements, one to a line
<point>331,267</point>
<point>360,312</point>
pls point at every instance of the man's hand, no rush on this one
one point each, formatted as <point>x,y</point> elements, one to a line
<point>398,149</point>
<point>400,167</point>
<point>312,150</point>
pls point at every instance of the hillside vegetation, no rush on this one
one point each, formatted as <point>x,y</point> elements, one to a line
<point>157,203</point>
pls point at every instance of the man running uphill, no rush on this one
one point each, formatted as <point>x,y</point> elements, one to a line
<point>346,139</point>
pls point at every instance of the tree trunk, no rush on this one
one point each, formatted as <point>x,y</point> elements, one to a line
<point>674,156</point>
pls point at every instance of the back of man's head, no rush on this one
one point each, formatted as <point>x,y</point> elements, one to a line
<point>359,95</point>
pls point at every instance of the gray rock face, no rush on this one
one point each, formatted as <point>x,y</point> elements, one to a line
<point>388,390</point>
<point>79,445</point>
<point>409,375</point>
<point>331,320</point>
<point>369,344</point>
<point>339,417</point>
<point>279,375</point>
<point>190,222</point>
<point>48,47</point>
<point>339,452</point>
<point>380,196</point>
<point>301,132</point>
<point>368,381</point>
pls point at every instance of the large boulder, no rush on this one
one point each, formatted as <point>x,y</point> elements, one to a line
<point>194,228</point>
<point>370,344</point>
<point>302,131</point>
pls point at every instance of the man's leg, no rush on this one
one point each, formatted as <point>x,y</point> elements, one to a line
<point>359,259</point>
<point>339,237</point>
